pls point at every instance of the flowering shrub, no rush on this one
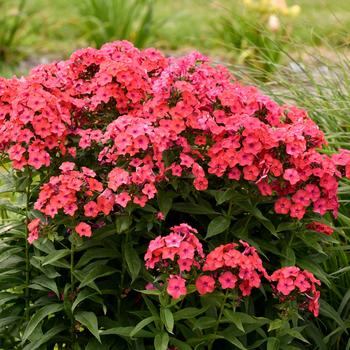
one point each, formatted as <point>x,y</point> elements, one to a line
<point>147,120</point>
<point>117,144</point>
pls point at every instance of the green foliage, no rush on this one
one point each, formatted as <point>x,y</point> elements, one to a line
<point>89,293</point>
<point>110,20</point>
<point>247,32</point>
<point>13,28</point>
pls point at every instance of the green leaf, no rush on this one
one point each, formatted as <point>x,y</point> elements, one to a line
<point>165,201</point>
<point>94,344</point>
<point>328,311</point>
<point>204,323</point>
<point>179,344</point>
<point>54,256</point>
<point>46,283</point>
<point>142,324</point>
<point>7,321</point>
<point>234,318</point>
<point>224,196</point>
<point>289,256</point>
<point>167,318</point>
<point>45,337</point>
<point>272,344</point>
<point>89,320</point>
<point>97,271</point>
<point>188,312</point>
<point>96,253</point>
<point>149,292</point>
<point>192,208</point>
<point>286,226</point>
<point>265,221</point>
<point>345,301</point>
<point>126,331</point>
<point>234,341</point>
<point>122,223</point>
<point>9,227</point>
<point>275,324</point>
<point>132,260</point>
<point>161,341</point>
<point>5,297</point>
<point>151,307</point>
<point>295,334</point>
<point>39,316</point>
<point>218,225</point>
<point>82,295</point>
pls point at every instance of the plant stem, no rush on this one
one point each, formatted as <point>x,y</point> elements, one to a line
<point>27,262</point>
<point>229,214</point>
<point>222,308</point>
<point>122,275</point>
<point>72,282</point>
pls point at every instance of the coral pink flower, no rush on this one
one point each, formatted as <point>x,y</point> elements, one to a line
<point>205,284</point>
<point>297,211</point>
<point>176,287</point>
<point>33,230</point>
<point>117,177</point>
<point>200,183</point>
<point>67,166</point>
<point>15,152</point>
<point>149,190</point>
<point>185,264</point>
<point>91,209</point>
<point>173,240</point>
<point>186,250</point>
<point>282,205</point>
<point>314,305</point>
<point>227,280</point>
<point>160,216</point>
<point>83,229</point>
<point>292,176</point>
<point>122,199</point>
<point>302,283</point>
<point>285,286</point>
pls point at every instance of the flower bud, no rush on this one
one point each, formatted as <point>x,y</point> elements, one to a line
<point>273,23</point>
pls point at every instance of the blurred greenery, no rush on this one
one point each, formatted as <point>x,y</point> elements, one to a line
<point>53,29</point>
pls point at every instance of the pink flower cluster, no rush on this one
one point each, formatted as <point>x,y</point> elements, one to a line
<point>141,118</point>
<point>180,250</point>
<point>233,267</point>
<point>291,283</point>
<point>33,230</point>
<point>179,257</point>
<point>319,227</point>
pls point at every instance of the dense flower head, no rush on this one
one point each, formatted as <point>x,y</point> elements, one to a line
<point>235,268</point>
<point>124,109</point>
<point>180,250</point>
<point>291,283</point>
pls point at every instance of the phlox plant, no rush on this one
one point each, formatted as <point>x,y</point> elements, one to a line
<point>113,148</point>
